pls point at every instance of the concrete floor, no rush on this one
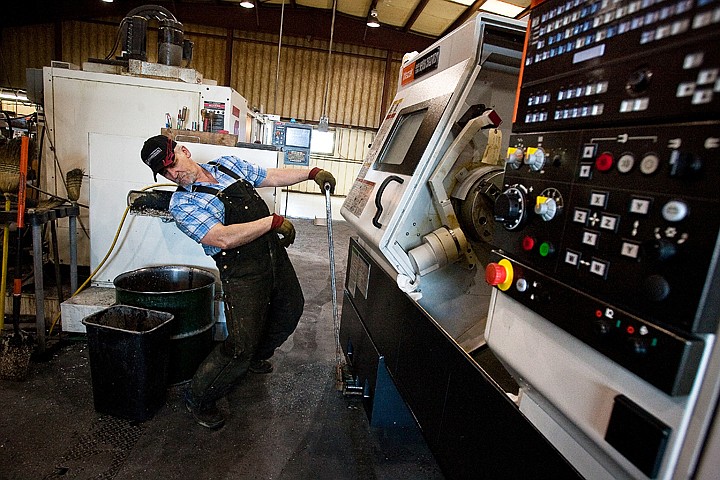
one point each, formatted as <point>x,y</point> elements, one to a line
<point>290,424</point>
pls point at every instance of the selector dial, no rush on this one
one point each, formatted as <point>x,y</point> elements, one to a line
<point>536,158</point>
<point>514,157</point>
<point>511,207</point>
<point>548,204</point>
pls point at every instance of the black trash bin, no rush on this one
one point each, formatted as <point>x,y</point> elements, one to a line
<point>129,356</point>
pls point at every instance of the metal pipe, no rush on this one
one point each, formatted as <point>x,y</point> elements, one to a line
<point>328,65</point>
<point>277,67</point>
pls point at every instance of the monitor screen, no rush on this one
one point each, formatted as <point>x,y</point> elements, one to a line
<point>401,137</point>
<point>297,137</point>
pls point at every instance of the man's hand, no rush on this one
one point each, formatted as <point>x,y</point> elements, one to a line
<point>287,230</point>
<point>322,177</point>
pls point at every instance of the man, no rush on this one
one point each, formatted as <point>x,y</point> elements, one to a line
<point>217,205</point>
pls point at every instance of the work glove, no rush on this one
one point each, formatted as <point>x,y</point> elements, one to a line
<point>285,228</point>
<point>322,177</point>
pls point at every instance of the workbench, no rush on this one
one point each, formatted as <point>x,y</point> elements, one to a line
<point>36,218</point>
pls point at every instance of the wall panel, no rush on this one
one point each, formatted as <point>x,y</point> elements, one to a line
<point>22,48</point>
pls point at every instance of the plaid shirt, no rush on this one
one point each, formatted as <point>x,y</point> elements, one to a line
<point>195,213</point>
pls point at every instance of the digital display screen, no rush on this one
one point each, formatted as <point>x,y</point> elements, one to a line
<point>297,137</point>
<point>402,137</point>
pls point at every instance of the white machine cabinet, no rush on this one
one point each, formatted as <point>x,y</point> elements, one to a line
<point>89,110</point>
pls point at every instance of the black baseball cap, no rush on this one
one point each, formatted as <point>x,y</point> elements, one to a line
<point>158,153</point>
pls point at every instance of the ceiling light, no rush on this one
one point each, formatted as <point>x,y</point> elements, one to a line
<point>248,4</point>
<point>108,1</point>
<point>501,8</point>
<point>372,19</point>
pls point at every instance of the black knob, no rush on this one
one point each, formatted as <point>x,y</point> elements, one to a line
<point>660,250</point>
<point>509,209</point>
<point>639,81</point>
<point>656,288</point>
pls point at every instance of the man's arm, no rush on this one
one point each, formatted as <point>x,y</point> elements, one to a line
<point>231,236</point>
<point>282,177</point>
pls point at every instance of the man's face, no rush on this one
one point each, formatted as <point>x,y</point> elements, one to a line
<point>182,170</point>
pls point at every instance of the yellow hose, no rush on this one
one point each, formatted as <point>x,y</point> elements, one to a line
<point>107,255</point>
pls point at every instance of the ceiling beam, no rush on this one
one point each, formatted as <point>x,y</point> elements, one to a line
<point>466,15</point>
<point>414,16</point>
<point>300,21</point>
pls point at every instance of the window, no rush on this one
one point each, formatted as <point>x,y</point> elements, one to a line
<point>323,143</point>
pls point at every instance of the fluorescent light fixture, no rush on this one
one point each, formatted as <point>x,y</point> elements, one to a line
<point>501,8</point>
<point>108,1</point>
<point>14,96</point>
<point>463,2</point>
<point>248,4</point>
<point>372,19</point>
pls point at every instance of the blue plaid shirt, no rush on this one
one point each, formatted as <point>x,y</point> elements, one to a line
<point>195,213</point>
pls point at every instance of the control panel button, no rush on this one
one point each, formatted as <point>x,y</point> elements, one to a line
<point>625,163</point>
<point>674,211</point>
<point>604,161</point>
<point>640,206</point>
<point>599,267</point>
<point>585,170</point>
<point>590,238</point>
<point>499,274</point>
<point>580,215</point>
<point>572,258</point>
<point>649,164</point>
<point>598,199</point>
<point>630,250</point>
<point>546,249</point>
<point>528,243</point>
<point>609,222</point>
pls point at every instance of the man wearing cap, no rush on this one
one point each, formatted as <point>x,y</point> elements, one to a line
<point>217,206</point>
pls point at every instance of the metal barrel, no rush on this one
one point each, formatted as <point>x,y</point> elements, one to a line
<point>186,292</point>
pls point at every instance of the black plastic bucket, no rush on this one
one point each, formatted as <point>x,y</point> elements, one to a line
<point>186,292</point>
<point>129,350</point>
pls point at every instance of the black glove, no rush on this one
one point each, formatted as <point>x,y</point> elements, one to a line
<point>322,177</point>
<point>287,230</point>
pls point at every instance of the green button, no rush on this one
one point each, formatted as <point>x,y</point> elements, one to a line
<point>545,249</point>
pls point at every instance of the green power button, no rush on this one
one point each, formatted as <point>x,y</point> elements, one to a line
<point>546,249</point>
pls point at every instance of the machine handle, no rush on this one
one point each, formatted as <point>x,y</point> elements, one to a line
<point>378,198</point>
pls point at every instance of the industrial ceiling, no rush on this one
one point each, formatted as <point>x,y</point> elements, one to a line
<point>405,25</point>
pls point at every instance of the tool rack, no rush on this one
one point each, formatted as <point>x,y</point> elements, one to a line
<point>37,218</point>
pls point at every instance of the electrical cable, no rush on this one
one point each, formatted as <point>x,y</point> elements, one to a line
<point>110,249</point>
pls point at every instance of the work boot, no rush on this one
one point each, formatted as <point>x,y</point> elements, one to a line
<point>261,366</point>
<point>209,417</point>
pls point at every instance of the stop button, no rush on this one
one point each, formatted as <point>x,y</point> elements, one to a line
<point>499,274</point>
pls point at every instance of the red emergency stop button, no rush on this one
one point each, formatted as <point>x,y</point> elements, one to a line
<point>499,274</point>
<point>495,274</point>
<point>604,161</point>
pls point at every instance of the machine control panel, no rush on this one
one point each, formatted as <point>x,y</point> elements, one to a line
<point>636,344</point>
<point>627,215</point>
<point>604,62</point>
